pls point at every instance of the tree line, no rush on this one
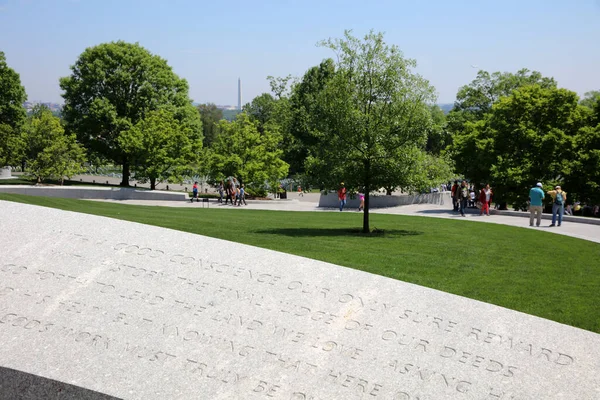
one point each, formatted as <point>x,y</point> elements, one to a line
<point>362,117</point>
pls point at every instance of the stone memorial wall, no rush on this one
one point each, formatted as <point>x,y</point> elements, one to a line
<point>140,312</point>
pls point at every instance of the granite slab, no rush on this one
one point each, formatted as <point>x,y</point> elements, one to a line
<point>139,312</point>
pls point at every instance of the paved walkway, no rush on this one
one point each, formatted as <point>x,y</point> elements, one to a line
<point>309,202</point>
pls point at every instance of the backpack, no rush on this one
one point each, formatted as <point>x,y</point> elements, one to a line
<point>558,200</point>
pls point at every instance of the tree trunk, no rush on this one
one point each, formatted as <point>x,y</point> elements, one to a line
<point>23,164</point>
<point>366,214</point>
<point>367,189</point>
<point>388,191</point>
<point>126,174</point>
<point>152,183</point>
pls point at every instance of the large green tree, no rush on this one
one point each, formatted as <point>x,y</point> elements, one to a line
<point>473,105</point>
<point>371,118</point>
<point>303,108</point>
<point>243,151</point>
<point>527,137</point>
<point>160,147</point>
<point>12,113</point>
<point>210,116</point>
<point>49,152</point>
<point>112,87</point>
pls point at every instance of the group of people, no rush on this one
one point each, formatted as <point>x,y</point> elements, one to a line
<point>342,198</point>
<point>463,195</point>
<point>536,204</point>
<point>233,193</point>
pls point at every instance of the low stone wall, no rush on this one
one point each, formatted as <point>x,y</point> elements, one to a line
<point>82,192</point>
<point>5,173</point>
<point>330,200</point>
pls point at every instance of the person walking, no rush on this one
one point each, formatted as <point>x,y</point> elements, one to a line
<point>228,192</point>
<point>463,193</point>
<point>220,190</point>
<point>559,198</point>
<point>361,206</point>
<point>342,196</point>
<point>194,193</point>
<point>536,204</point>
<point>485,198</point>
<point>242,196</point>
<point>454,195</point>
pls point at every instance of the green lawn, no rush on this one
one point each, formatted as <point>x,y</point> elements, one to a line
<point>539,273</point>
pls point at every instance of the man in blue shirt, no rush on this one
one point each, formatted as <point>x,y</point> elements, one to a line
<point>536,203</point>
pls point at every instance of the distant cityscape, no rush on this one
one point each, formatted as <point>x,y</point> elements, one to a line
<point>56,107</point>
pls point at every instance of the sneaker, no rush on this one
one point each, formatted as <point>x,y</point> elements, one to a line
<point>558,224</point>
<point>552,225</point>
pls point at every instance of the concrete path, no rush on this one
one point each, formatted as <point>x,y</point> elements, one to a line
<point>309,202</point>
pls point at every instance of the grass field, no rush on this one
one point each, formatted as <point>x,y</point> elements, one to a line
<point>539,273</point>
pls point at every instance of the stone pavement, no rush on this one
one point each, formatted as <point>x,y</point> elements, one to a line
<point>309,202</point>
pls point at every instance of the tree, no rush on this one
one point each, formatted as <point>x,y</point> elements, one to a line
<point>210,116</point>
<point>50,153</point>
<point>527,137</point>
<point>590,99</point>
<point>160,147</point>
<point>12,113</point>
<point>438,138</point>
<point>12,96</point>
<point>252,156</point>
<point>370,114</point>
<point>303,106</point>
<point>261,109</point>
<point>112,87</point>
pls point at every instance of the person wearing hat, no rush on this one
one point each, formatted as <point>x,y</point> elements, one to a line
<point>342,196</point>
<point>559,198</point>
<point>536,203</point>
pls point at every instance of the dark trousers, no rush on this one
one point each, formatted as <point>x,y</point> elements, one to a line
<point>463,206</point>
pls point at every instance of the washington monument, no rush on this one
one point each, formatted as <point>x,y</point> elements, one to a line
<point>239,94</point>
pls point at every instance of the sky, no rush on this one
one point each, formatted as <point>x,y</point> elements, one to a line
<point>212,43</point>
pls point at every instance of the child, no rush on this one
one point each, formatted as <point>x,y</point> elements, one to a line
<point>242,196</point>
<point>361,197</point>
<point>195,193</point>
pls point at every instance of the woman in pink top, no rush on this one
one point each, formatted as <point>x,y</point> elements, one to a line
<point>361,197</point>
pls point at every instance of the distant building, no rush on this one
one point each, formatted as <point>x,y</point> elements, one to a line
<point>239,94</point>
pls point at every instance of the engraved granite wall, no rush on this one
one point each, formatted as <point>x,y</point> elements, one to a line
<point>141,312</point>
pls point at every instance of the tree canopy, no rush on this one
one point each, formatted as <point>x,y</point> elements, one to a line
<point>527,137</point>
<point>210,116</point>
<point>243,151</point>
<point>48,151</point>
<point>112,87</point>
<point>160,147</point>
<point>12,96</point>
<point>369,119</point>
<point>12,113</point>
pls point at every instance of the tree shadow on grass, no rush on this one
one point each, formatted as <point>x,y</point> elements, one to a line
<point>356,232</point>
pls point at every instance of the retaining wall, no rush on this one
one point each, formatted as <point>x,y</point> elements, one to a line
<point>330,200</point>
<point>5,173</point>
<point>79,192</point>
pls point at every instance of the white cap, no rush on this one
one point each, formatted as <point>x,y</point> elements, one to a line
<point>539,184</point>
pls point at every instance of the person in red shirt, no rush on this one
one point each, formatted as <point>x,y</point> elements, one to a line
<point>454,195</point>
<point>485,198</point>
<point>342,196</point>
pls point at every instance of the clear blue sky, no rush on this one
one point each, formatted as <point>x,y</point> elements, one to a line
<point>212,43</point>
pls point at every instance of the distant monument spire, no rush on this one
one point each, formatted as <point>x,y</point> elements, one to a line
<point>239,94</point>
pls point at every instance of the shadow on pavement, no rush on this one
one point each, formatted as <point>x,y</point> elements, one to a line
<point>470,211</point>
<point>299,232</point>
